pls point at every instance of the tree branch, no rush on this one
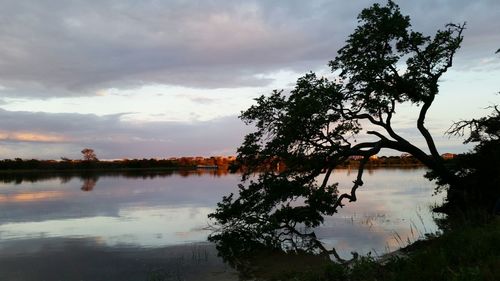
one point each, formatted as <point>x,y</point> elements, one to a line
<point>327,177</point>
<point>425,133</point>
<point>359,179</point>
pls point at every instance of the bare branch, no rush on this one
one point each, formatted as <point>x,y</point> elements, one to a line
<point>359,178</point>
<point>378,135</point>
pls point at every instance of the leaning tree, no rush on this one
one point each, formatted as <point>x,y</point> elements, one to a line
<point>321,123</point>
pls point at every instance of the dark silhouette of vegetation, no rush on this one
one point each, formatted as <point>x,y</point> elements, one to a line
<point>479,169</point>
<point>320,125</point>
<point>385,161</point>
<point>8,165</point>
<point>18,164</point>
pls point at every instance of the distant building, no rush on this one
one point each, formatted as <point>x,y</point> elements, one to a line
<point>360,157</point>
<point>447,156</point>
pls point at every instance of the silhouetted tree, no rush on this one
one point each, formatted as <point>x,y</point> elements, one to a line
<point>89,154</point>
<point>321,123</point>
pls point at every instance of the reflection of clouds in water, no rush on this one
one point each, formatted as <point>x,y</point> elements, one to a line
<point>345,237</point>
<point>133,226</point>
<point>193,232</point>
<point>348,236</point>
<point>172,209</point>
<point>31,196</point>
<point>184,235</point>
<point>392,207</point>
<point>56,200</point>
<point>194,212</point>
<point>89,258</point>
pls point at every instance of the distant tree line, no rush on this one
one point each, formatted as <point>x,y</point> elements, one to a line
<point>387,161</point>
<point>404,160</point>
<point>215,162</point>
<point>68,164</point>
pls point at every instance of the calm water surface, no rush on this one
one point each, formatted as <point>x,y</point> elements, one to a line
<point>138,226</point>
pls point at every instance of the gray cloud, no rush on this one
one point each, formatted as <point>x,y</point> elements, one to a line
<point>60,48</point>
<point>50,135</point>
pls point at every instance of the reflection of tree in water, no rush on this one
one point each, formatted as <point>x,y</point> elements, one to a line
<point>89,182</point>
<point>202,172</point>
<point>251,227</point>
<point>66,176</point>
<point>273,254</point>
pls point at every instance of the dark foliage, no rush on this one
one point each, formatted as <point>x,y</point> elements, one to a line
<point>18,164</point>
<point>66,164</point>
<point>479,169</point>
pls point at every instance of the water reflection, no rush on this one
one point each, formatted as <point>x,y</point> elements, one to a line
<point>20,177</point>
<point>73,218</point>
<point>392,211</point>
<point>89,183</point>
<point>265,258</point>
<point>124,197</point>
<point>91,260</point>
<point>110,226</point>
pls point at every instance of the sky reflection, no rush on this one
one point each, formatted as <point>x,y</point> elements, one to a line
<point>147,227</point>
<point>161,210</point>
<point>393,209</point>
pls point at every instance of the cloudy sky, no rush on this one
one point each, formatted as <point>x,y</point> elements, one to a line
<point>169,78</point>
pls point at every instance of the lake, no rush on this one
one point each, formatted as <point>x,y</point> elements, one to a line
<point>147,225</point>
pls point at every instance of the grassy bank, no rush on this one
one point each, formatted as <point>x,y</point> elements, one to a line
<point>469,253</point>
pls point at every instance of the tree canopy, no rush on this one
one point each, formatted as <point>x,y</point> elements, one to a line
<point>323,122</point>
<point>89,154</point>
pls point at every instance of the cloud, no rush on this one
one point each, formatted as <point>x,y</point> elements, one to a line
<point>64,49</point>
<point>30,137</point>
<point>53,135</point>
<point>61,48</point>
